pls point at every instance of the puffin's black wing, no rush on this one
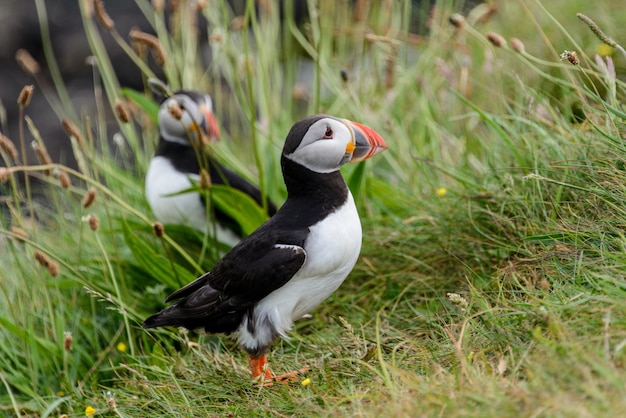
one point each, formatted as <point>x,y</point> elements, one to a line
<point>218,300</point>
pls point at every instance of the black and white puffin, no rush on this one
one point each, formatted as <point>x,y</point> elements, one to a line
<point>295,260</point>
<point>186,123</point>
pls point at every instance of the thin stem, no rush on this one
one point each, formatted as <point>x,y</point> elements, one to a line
<point>53,66</point>
<point>250,14</point>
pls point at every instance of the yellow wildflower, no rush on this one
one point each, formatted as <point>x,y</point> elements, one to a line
<point>441,191</point>
<point>306,382</point>
<point>604,50</point>
<point>90,411</point>
<point>121,346</point>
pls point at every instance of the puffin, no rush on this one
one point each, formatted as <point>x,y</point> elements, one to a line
<point>295,260</point>
<point>186,124</point>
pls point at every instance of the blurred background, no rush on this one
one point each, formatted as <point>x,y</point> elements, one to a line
<point>20,29</point>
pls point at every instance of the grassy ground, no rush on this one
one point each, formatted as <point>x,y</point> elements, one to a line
<point>492,276</point>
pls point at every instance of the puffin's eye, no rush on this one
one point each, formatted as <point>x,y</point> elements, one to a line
<point>328,133</point>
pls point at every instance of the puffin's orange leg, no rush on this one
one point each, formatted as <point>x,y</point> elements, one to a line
<point>261,370</point>
<point>259,367</point>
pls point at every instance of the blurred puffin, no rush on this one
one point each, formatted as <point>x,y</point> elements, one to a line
<point>296,259</point>
<point>186,124</point>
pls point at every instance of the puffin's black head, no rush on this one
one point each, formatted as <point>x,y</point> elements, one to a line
<point>187,116</point>
<point>324,143</point>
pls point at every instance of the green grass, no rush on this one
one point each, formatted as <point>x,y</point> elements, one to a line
<point>492,276</point>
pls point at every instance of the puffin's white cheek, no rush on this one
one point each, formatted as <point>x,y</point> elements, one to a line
<point>320,157</point>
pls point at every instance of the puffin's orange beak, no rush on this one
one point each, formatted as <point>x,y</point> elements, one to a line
<point>208,125</point>
<point>366,140</point>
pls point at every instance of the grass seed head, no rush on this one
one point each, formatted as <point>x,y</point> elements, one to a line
<point>517,45</point>
<point>73,131</point>
<point>41,258</point>
<point>158,5</point>
<point>174,6</point>
<point>237,24</point>
<point>158,229</point>
<point>53,268</point>
<point>19,233</point>
<point>90,197</point>
<point>25,95</point>
<point>67,340</point>
<point>94,222</point>
<point>205,179</point>
<point>103,17</point>
<point>42,156</point>
<point>457,20</point>
<point>5,174</point>
<point>122,111</point>
<point>216,37</point>
<point>111,400</point>
<point>570,56</point>
<point>496,39</point>
<point>65,180</point>
<point>343,73</point>
<point>299,91</point>
<point>26,62</point>
<point>151,42</point>
<point>8,147</point>
<point>596,30</point>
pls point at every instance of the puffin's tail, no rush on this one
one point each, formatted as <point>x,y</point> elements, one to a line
<point>204,309</point>
<point>167,317</point>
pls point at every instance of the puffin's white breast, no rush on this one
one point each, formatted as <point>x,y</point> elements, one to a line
<point>163,180</point>
<point>332,249</point>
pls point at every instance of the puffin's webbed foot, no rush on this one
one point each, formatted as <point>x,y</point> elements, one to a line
<point>262,372</point>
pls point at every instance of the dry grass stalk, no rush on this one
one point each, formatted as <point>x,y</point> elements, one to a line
<point>25,95</point>
<point>26,62</point>
<point>390,67</point>
<point>103,17</point>
<point>90,197</point>
<point>151,42</point>
<point>8,147</point>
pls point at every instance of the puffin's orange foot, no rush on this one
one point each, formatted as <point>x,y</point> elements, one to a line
<point>261,371</point>
<point>285,377</point>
